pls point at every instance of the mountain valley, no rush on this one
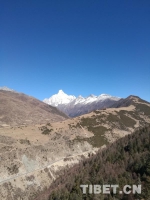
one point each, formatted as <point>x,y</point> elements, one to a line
<point>33,153</point>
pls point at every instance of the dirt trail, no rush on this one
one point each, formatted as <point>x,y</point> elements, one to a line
<point>42,168</point>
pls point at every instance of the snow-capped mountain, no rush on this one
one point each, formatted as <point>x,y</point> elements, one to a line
<point>60,98</point>
<point>75,106</point>
<point>6,89</point>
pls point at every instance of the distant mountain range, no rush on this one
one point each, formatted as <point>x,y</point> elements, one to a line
<point>75,106</point>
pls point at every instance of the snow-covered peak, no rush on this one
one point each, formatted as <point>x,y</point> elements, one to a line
<point>61,92</point>
<point>104,95</point>
<point>92,95</point>
<point>90,99</point>
<point>75,106</point>
<point>59,98</point>
<point>80,97</point>
<point>6,89</point>
<point>79,100</point>
<point>62,98</point>
<point>107,96</point>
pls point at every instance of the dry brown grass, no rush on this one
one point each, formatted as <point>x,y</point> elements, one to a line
<point>18,109</point>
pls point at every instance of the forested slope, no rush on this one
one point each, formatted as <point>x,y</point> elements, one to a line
<point>127,161</point>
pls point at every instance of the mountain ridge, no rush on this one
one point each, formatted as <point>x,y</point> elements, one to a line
<point>62,98</point>
<point>18,108</point>
<point>75,106</point>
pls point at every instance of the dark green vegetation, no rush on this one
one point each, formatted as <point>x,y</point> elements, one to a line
<point>45,130</point>
<point>122,120</point>
<point>92,125</point>
<point>25,141</point>
<point>127,161</point>
<point>143,108</point>
<point>96,125</point>
<point>98,139</point>
<point>13,169</point>
<point>140,104</point>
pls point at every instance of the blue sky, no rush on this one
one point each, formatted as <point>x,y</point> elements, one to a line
<point>80,46</point>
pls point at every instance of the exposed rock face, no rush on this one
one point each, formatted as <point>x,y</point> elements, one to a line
<point>30,161</point>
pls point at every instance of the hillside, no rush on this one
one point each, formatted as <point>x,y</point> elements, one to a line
<point>130,100</point>
<point>126,161</point>
<point>32,155</point>
<point>17,109</point>
<point>109,124</point>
